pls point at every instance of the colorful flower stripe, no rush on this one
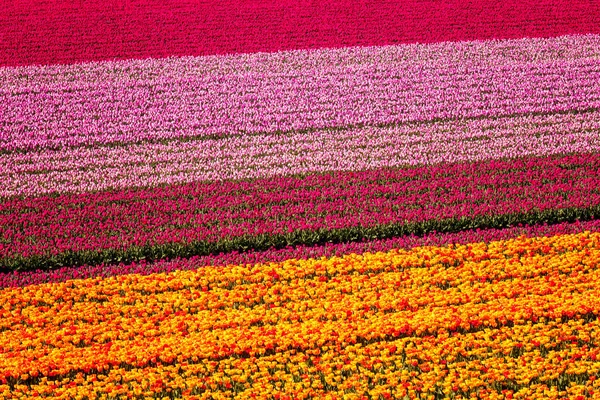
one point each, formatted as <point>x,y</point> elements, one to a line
<point>55,31</point>
<point>151,164</point>
<point>249,258</point>
<point>201,219</point>
<point>362,367</point>
<point>514,317</point>
<point>134,101</point>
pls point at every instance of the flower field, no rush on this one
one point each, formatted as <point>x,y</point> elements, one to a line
<point>300,200</point>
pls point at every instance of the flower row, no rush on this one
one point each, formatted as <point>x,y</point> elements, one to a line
<point>482,318</point>
<point>249,258</point>
<point>209,218</point>
<point>96,168</point>
<point>42,33</point>
<point>492,366</point>
<point>134,101</point>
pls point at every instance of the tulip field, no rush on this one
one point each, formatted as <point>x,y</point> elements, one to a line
<point>268,199</point>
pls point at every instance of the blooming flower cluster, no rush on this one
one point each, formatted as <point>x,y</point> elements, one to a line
<point>507,319</point>
<point>207,97</point>
<point>214,217</point>
<point>53,32</point>
<point>96,168</point>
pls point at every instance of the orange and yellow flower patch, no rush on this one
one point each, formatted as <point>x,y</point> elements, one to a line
<point>506,319</point>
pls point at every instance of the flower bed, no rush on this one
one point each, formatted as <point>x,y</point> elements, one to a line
<point>404,322</point>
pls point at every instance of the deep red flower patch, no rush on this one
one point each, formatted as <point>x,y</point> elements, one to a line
<point>69,31</point>
<point>206,218</point>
